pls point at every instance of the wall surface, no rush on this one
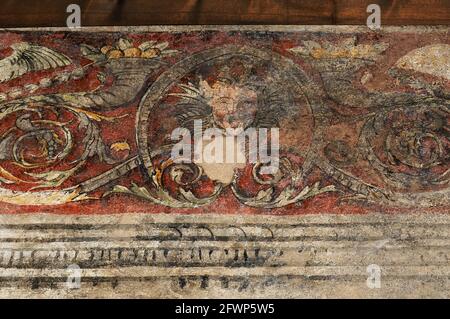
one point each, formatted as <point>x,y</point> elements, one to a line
<point>93,205</point>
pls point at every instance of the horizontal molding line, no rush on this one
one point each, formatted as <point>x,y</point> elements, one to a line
<point>142,271</point>
<point>78,226</point>
<point>299,287</point>
<point>298,240</point>
<point>442,218</point>
<point>340,244</point>
<point>181,228</point>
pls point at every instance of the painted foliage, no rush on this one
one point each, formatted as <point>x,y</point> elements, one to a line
<point>86,120</point>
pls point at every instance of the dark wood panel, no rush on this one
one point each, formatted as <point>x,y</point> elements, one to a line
<point>28,13</point>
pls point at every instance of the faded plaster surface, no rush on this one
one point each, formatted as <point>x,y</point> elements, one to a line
<point>86,176</point>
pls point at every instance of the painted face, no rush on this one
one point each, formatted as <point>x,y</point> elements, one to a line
<point>232,106</point>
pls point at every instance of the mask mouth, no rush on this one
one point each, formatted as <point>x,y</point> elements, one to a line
<point>233,122</point>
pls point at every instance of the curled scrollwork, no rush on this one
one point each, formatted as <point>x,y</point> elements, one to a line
<point>256,80</point>
<point>409,148</point>
<point>42,146</point>
<point>48,138</point>
<point>284,187</point>
<point>169,190</point>
<point>386,147</point>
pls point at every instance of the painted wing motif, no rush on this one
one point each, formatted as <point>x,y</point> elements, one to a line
<point>27,58</point>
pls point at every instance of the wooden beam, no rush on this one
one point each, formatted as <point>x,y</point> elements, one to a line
<point>28,13</point>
